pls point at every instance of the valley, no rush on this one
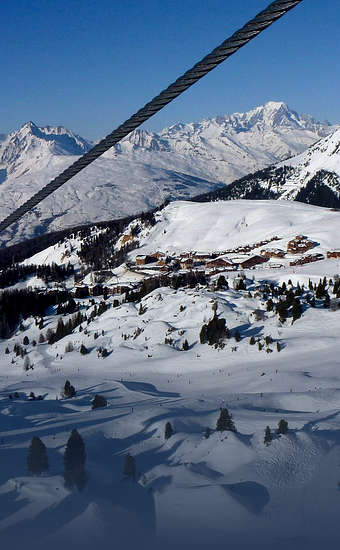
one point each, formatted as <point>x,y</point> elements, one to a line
<point>269,352</point>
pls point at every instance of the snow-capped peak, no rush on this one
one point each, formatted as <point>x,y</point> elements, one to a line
<point>33,144</point>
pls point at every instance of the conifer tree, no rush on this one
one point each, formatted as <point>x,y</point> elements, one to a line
<point>207,433</point>
<point>225,421</point>
<point>74,461</point>
<point>327,300</point>
<point>185,345</point>
<point>25,341</point>
<point>270,305</point>
<point>98,401</point>
<point>129,469</point>
<point>281,310</point>
<point>282,426</point>
<point>252,341</point>
<point>69,390</point>
<point>296,310</point>
<point>267,436</point>
<point>37,461</point>
<point>41,338</point>
<point>168,430</point>
<point>83,350</point>
<point>237,335</point>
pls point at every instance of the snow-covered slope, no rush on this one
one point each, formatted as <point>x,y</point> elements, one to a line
<point>191,491</point>
<point>312,177</point>
<point>219,226</point>
<point>179,162</point>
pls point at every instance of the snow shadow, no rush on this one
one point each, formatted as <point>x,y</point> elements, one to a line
<point>251,495</point>
<point>149,389</point>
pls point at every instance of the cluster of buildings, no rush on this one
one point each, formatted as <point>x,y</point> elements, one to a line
<point>157,268</point>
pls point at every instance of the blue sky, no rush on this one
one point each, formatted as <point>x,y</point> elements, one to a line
<point>89,64</point>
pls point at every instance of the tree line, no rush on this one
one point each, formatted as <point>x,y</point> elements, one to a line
<point>18,305</point>
<point>48,273</point>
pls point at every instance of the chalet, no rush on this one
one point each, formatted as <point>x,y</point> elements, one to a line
<point>119,289</point>
<point>95,290</point>
<point>252,262</point>
<point>220,263</point>
<point>200,258</point>
<point>81,291</point>
<point>333,254</point>
<point>158,255</point>
<point>308,259</point>
<point>126,239</point>
<point>145,259</point>
<point>187,263</point>
<point>273,253</point>
<point>300,244</point>
<point>161,262</point>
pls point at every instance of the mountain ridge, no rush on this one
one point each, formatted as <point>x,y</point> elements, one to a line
<point>145,168</point>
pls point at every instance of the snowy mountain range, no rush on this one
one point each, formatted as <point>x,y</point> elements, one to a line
<point>312,177</point>
<point>145,168</point>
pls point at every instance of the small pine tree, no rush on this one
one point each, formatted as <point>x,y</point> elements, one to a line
<point>327,300</point>
<point>83,350</point>
<point>237,335</point>
<point>278,346</point>
<point>68,347</point>
<point>282,426</point>
<point>207,433</point>
<point>69,390</point>
<point>281,310</point>
<point>168,430</point>
<point>267,436</point>
<point>185,345</point>
<point>252,341</point>
<point>41,338</point>
<point>296,310</point>
<point>270,305</point>
<point>129,469</point>
<point>98,401</point>
<point>37,461</point>
<point>25,341</point>
<point>74,461</point>
<point>7,351</point>
<point>34,343</point>
<point>225,421</point>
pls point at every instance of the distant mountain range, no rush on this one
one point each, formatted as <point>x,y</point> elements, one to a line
<point>312,177</point>
<point>145,168</point>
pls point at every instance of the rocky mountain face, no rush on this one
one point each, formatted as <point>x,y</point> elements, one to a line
<point>312,177</point>
<point>145,168</point>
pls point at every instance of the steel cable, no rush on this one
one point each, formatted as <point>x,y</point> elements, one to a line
<point>241,37</point>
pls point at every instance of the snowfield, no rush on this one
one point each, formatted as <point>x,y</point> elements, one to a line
<point>219,226</point>
<point>226,491</point>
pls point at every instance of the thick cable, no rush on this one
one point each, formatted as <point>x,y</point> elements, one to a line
<point>241,37</point>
